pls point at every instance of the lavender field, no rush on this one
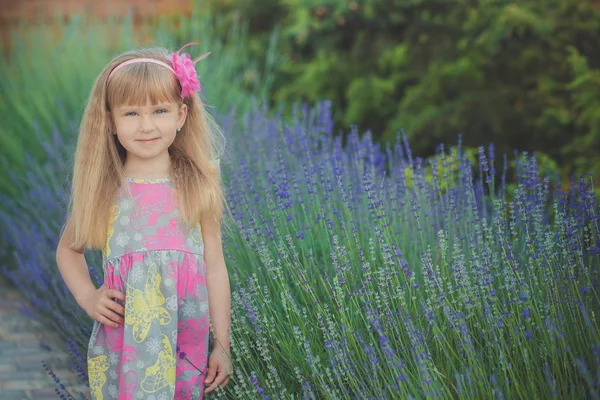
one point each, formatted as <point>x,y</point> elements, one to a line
<point>360,271</point>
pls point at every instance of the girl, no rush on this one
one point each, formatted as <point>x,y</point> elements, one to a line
<point>146,190</point>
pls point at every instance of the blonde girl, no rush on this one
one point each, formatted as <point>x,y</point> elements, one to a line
<point>146,190</point>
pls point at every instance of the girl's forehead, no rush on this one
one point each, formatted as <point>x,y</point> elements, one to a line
<point>137,92</point>
<point>149,104</point>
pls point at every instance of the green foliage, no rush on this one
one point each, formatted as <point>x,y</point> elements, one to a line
<point>501,72</point>
<point>522,74</point>
<point>585,94</point>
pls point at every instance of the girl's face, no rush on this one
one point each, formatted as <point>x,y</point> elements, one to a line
<point>147,132</point>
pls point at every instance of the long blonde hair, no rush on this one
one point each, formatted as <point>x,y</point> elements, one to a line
<point>99,158</point>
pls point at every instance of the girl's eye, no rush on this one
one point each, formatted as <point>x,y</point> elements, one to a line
<point>160,111</point>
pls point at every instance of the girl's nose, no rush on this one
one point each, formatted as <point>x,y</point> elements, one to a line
<point>146,124</point>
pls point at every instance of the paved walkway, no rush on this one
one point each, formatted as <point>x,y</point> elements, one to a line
<point>24,343</point>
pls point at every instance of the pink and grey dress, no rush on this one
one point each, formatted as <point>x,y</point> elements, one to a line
<point>158,263</point>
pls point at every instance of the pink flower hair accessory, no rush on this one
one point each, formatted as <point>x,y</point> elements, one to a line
<point>185,69</point>
<point>182,66</point>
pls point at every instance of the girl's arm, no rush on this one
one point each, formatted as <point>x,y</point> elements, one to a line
<point>72,266</point>
<point>74,270</point>
<point>217,283</point>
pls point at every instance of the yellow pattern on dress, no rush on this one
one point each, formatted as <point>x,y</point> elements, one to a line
<point>114,214</point>
<point>145,307</point>
<point>195,234</point>
<point>97,367</point>
<point>162,373</point>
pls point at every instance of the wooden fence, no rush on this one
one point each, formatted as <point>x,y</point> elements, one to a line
<point>42,14</point>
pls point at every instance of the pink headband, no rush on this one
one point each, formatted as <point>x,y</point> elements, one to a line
<point>183,67</point>
<point>137,60</point>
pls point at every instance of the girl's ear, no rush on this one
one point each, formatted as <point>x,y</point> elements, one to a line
<point>182,115</point>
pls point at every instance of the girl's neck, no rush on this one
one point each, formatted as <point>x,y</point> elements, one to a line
<point>147,170</point>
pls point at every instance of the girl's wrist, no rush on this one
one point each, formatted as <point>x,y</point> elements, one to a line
<point>224,344</point>
<point>84,294</point>
<point>221,343</point>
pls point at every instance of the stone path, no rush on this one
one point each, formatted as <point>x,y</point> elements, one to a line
<point>24,343</point>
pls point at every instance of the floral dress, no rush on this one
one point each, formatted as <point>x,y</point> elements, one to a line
<point>158,263</point>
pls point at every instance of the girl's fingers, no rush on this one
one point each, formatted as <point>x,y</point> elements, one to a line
<point>112,316</point>
<point>105,321</point>
<point>221,377</point>
<point>115,294</point>
<point>212,386</point>
<point>114,306</point>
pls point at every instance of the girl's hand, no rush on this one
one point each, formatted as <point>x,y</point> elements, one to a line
<point>219,364</point>
<point>101,306</point>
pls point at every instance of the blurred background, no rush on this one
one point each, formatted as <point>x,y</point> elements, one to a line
<point>522,75</point>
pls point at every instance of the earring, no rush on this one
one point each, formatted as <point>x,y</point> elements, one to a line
<point>178,129</point>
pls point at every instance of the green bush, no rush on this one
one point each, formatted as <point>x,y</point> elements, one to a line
<point>524,74</point>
